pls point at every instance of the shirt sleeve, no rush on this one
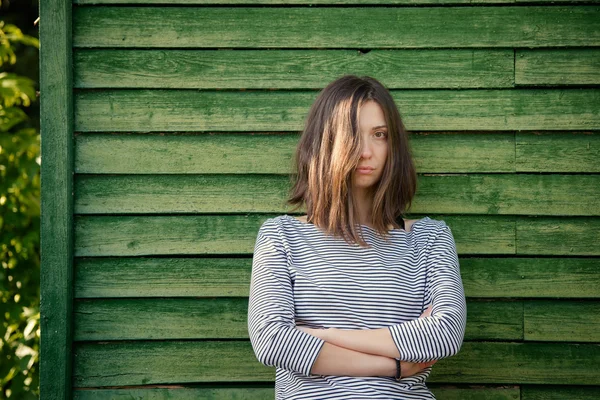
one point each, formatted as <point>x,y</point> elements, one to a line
<point>441,334</point>
<point>271,315</point>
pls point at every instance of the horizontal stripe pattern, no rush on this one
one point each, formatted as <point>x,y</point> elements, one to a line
<point>441,334</point>
<point>301,276</point>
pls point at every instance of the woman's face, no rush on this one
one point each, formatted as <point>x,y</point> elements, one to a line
<point>375,146</point>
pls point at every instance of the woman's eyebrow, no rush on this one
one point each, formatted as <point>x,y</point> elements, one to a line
<point>380,126</point>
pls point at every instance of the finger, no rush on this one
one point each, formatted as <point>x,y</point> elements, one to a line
<point>428,310</point>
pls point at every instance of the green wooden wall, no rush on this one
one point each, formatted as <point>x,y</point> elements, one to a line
<point>167,135</point>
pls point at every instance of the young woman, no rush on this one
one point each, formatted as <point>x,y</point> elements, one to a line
<point>338,297</point>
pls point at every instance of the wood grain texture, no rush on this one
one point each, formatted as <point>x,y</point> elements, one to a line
<point>290,69</point>
<point>162,277</point>
<point>483,277</point>
<point>481,194</point>
<point>509,194</point>
<point>262,153</point>
<point>556,392</point>
<point>325,2</point>
<point>56,220</point>
<point>210,392</point>
<point>566,236</point>
<point>557,277</point>
<point>557,67</point>
<point>297,2</point>
<point>573,321</point>
<point>437,110</point>
<point>226,318</point>
<point>520,363</point>
<point>166,362</point>
<point>236,234</point>
<point>336,27</point>
<point>557,151</point>
<point>178,392</point>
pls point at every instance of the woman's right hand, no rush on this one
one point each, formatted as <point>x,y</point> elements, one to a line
<point>409,368</point>
<point>427,312</point>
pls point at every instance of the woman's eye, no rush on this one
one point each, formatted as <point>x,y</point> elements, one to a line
<point>383,134</point>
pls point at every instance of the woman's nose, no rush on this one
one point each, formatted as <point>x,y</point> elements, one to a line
<point>366,150</point>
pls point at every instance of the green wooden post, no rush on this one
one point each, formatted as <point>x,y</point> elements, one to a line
<point>56,109</point>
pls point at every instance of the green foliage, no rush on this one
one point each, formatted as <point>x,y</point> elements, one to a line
<point>19,227</point>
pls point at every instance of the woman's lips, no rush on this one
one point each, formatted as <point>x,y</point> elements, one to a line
<point>364,170</point>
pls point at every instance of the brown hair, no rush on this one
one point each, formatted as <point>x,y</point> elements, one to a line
<point>329,150</point>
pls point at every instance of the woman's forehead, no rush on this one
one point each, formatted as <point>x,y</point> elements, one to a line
<point>371,116</point>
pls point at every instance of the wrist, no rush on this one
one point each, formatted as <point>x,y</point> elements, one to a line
<point>398,370</point>
<point>391,367</point>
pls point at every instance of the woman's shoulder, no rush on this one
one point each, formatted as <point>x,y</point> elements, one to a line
<point>433,223</point>
<point>278,227</point>
<point>432,227</point>
<point>270,225</point>
<point>285,224</point>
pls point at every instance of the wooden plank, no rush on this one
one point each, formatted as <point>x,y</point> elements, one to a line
<point>181,392</point>
<point>539,1</point>
<point>482,277</point>
<point>236,234</point>
<point>322,2</point>
<point>573,321</point>
<point>138,110</point>
<point>56,225</point>
<point>226,318</point>
<point>336,27</point>
<point>295,2</point>
<point>530,277</point>
<point>557,67</point>
<point>565,236</point>
<point>228,153</point>
<point>519,363</point>
<point>180,362</point>
<point>181,194</point>
<point>555,392</point>
<point>509,194</point>
<point>291,69</point>
<point>166,362</point>
<point>475,151</point>
<point>189,393</point>
<point>253,153</point>
<point>178,392</point>
<point>162,277</point>
<point>139,235</point>
<point>494,320</point>
<point>506,194</point>
<point>557,151</point>
<point>161,319</point>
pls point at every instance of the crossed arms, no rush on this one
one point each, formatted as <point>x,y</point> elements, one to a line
<point>277,341</point>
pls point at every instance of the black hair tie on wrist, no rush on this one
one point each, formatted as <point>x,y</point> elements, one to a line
<point>398,369</point>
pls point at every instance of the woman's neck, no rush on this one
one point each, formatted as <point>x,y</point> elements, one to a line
<point>363,202</point>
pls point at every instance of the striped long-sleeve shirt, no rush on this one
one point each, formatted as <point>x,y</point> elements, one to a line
<point>301,276</point>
